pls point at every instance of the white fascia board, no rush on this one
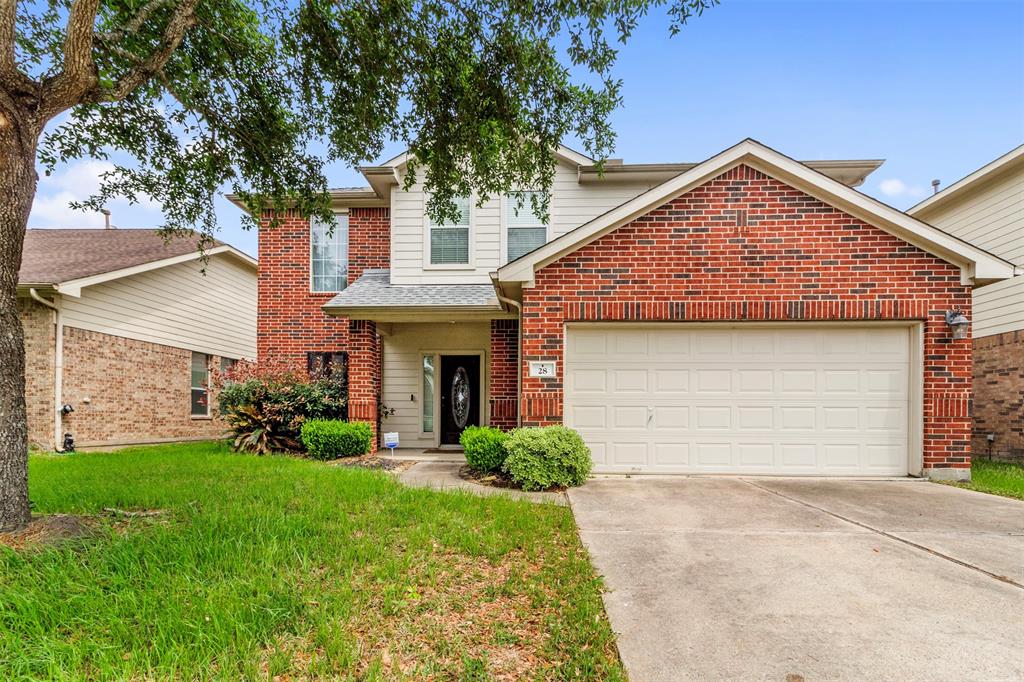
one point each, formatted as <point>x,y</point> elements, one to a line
<point>975,264</point>
<point>966,183</point>
<point>74,287</point>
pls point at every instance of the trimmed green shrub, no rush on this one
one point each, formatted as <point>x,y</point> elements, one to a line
<point>542,458</point>
<point>484,447</point>
<point>331,438</point>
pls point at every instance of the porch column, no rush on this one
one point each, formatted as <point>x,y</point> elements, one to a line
<point>504,373</point>
<point>364,374</point>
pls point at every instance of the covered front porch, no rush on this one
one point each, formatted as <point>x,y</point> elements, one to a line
<point>428,361</point>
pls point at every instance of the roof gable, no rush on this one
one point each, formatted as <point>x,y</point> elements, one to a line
<point>72,259</point>
<point>965,185</point>
<point>977,266</point>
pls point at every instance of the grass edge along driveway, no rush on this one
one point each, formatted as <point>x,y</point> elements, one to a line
<point>994,477</point>
<point>281,566</point>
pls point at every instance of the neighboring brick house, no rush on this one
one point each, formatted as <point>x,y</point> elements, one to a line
<point>747,314</point>
<point>986,208</point>
<point>125,329</point>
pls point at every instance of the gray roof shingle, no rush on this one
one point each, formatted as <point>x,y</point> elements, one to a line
<point>374,289</point>
<point>55,256</point>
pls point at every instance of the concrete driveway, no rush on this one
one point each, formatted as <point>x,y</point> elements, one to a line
<point>785,579</point>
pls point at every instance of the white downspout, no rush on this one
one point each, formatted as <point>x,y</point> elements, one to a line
<point>58,370</point>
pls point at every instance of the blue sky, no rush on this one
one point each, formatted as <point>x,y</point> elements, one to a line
<point>935,88</point>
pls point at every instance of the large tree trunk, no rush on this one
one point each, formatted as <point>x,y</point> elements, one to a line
<point>17,190</point>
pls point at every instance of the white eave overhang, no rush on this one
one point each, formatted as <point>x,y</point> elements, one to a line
<point>850,172</point>
<point>977,266</point>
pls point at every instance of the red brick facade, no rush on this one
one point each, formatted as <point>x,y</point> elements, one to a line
<point>290,321</point>
<point>747,247</point>
<point>137,392</point>
<point>364,374</point>
<point>504,361</point>
<point>38,324</point>
<point>999,395</point>
<point>122,390</point>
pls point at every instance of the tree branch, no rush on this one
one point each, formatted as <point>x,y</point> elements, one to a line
<point>134,25</point>
<point>181,21</point>
<point>12,80</point>
<point>78,72</point>
<point>8,16</point>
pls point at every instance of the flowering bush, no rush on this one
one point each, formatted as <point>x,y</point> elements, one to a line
<point>266,406</point>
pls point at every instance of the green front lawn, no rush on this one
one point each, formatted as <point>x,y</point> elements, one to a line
<point>273,566</point>
<point>998,478</point>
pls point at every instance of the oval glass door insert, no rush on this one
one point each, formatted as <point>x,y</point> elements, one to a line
<point>460,397</point>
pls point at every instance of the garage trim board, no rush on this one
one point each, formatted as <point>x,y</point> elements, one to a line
<point>789,399</point>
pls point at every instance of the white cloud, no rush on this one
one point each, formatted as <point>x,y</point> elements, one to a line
<point>76,182</point>
<point>894,187</point>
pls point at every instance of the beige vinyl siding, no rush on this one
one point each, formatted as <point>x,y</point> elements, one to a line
<point>991,216</point>
<point>999,307</point>
<point>176,306</point>
<point>572,204</point>
<point>403,372</point>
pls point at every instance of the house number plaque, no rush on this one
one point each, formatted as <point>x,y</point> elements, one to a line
<point>542,368</point>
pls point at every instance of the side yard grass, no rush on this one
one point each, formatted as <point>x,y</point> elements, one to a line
<point>995,477</point>
<point>274,566</point>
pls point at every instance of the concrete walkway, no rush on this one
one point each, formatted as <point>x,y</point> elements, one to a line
<point>445,476</point>
<point>775,579</point>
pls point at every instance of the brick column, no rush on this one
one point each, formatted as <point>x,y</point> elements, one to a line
<point>504,368</point>
<point>364,374</point>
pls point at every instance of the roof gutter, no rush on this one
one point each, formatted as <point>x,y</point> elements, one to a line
<point>58,368</point>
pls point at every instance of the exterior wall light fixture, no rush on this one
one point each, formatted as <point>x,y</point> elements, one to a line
<point>958,322</point>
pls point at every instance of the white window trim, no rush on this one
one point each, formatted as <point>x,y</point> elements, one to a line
<point>309,259</point>
<point>471,265</point>
<point>503,223</point>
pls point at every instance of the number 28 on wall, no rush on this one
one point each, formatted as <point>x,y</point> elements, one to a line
<point>542,368</point>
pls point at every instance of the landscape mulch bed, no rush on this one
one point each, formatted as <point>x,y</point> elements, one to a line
<point>50,529</point>
<point>373,462</point>
<point>496,479</point>
<point>53,529</point>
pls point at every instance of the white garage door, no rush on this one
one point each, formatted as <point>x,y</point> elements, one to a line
<point>767,400</point>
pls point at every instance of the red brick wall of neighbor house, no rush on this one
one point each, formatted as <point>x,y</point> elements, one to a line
<point>796,259</point>
<point>137,391</point>
<point>290,322</point>
<point>504,361</point>
<point>999,395</point>
<point>38,324</point>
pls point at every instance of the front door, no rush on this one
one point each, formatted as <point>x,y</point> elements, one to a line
<point>460,395</point>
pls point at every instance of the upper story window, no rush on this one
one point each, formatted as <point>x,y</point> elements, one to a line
<point>449,243</point>
<point>329,254</point>
<point>526,231</point>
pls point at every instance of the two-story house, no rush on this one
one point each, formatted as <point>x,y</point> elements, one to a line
<point>746,314</point>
